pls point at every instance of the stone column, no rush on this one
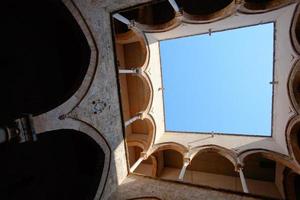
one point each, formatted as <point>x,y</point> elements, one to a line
<point>243,180</point>
<point>174,5</point>
<point>122,19</point>
<point>186,163</point>
<point>130,71</point>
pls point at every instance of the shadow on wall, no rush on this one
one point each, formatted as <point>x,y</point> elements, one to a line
<point>44,56</point>
<point>62,164</point>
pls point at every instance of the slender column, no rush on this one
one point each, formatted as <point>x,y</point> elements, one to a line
<point>183,169</point>
<point>174,5</point>
<point>130,71</point>
<point>130,121</point>
<point>122,19</point>
<point>133,119</point>
<point>243,181</point>
<point>136,164</point>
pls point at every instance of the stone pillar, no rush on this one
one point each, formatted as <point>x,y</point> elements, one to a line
<point>186,163</point>
<point>122,19</point>
<point>130,71</point>
<point>243,180</point>
<point>174,5</point>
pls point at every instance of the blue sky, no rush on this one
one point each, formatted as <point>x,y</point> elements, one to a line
<point>220,82</point>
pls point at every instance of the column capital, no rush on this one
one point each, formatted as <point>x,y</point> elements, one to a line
<point>132,24</point>
<point>144,155</point>
<point>186,161</point>
<point>179,13</point>
<point>239,167</point>
<point>142,115</point>
<point>138,70</point>
<point>133,119</point>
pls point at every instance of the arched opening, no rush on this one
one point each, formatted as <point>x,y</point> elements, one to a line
<point>134,153</point>
<point>147,167</point>
<point>43,59</point>
<point>153,14</point>
<point>142,127</point>
<point>263,5</point>
<point>156,14</point>
<point>295,30</point>
<point>141,130</point>
<point>295,141</point>
<point>263,175</point>
<point>62,164</point>
<point>164,162</point>
<point>169,163</point>
<point>131,54</point>
<point>203,10</point>
<point>131,51</point>
<point>203,170</point>
<point>296,88</point>
<point>135,95</point>
<point>138,93</point>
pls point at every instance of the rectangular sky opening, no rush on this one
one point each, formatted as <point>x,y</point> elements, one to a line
<point>220,82</point>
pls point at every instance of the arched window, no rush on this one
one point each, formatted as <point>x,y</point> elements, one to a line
<point>44,56</point>
<point>63,164</point>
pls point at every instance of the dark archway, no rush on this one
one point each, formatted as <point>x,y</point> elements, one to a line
<point>296,87</point>
<point>62,164</point>
<point>264,4</point>
<point>295,141</point>
<point>44,56</point>
<point>259,168</point>
<point>151,14</point>
<point>204,7</point>
<point>296,29</point>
